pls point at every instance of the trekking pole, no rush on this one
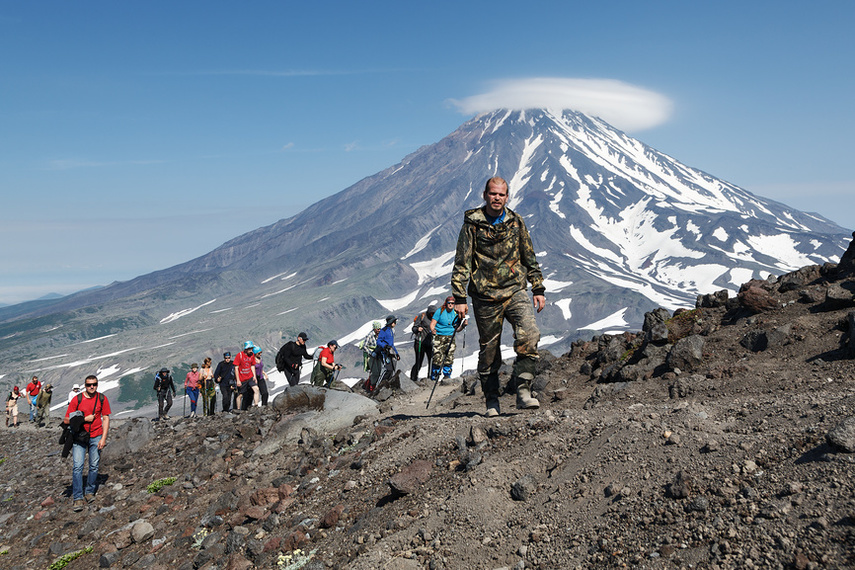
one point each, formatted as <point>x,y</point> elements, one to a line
<point>184,411</point>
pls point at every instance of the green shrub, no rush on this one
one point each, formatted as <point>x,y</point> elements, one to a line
<point>63,560</point>
<point>160,484</point>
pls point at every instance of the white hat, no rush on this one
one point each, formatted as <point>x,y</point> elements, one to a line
<point>76,387</point>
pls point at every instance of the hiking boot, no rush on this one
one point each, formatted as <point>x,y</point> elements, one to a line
<point>525,401</point>
<point>79,505</point>
<point>89,498</point>
<point>492,407</point>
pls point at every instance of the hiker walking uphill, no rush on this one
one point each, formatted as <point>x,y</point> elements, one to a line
<point>165,388</point>
<point>444,325</point>
<point>322,374</point>
<point>224,377</point>
<point>422,340</point>
<point>495,258</point>
<point>289,359</point>
<point>386,355</point>
<point>32,391</point>
<point>191,387</point>
<point>245,374</point>
<point>369,363</point>
<point>92,410</point>
<point>207,387</point>
<point>43,405</point>
<point>260,376</point>
<point>12,407</point>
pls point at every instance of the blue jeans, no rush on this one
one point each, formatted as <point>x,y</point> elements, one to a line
<point>193,395</point>
<point>78,454</point>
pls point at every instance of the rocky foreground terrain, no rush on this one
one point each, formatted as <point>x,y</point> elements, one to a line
<point>719,437</point>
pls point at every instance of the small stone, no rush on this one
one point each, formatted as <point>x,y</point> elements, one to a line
<point>142,531</point>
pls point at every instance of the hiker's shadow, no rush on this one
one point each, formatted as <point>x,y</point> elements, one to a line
<point>452,415</point>
<point>99,482</point>
<point>822,452</point>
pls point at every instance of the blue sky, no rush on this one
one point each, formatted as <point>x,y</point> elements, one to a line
<point>135,136</point>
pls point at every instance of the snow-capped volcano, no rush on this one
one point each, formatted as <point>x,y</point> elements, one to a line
<point>619,227</point>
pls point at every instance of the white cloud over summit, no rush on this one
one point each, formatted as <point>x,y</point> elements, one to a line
<point>625,106</point>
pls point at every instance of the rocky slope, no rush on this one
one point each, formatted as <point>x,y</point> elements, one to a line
<point>715,438</point>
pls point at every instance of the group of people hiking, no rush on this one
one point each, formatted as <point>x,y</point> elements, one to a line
<point>242,383</point>
<point>37,395</point>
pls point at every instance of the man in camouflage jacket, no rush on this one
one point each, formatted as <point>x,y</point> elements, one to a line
<point>495,257</point>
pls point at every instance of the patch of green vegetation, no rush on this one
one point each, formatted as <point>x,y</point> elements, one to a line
<point>2,460</point>
<point>159,484</point>
<point>137,388</point>
<point>686,316</point>
<point>63,560</point>
<point>294,560</point>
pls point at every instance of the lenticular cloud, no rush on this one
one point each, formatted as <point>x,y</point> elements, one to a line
<point>625,106</point>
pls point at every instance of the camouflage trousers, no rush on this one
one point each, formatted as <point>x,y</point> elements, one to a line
<point>490,317</point>
<point>443,356</point>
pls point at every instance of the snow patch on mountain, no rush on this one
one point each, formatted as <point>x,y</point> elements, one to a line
<point>564,305</point>
<point>433,268</point>
<point>183,313</point>
<point>615,320</point>
<point>400,302</point>
<point>783,248</point>
<point>421,243</point>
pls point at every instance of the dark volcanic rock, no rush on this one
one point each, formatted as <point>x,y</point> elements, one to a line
<point>757,299</point>
<point>411,477</point>
<point>842,436</point>
<point>687,354</point>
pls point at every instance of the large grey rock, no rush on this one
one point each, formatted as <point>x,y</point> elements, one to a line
<point>655,317</point>
<point>712,300</point>
<point>687,354</point>
<point>837,296</point>
<point>142,531</point>
<point>127,437</point>
<point>322,410</point>
<point>842,436</point>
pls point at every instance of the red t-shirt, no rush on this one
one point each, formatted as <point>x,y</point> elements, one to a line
<point>33,389</point>
<point>328,353</point>
<point>91,406</point>
<point>244,366</point>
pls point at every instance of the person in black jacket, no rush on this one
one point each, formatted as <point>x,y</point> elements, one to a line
<point>224,376</point>
<point>165,388</point>
<point>289,359</point>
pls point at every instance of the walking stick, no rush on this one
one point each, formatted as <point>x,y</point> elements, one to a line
<point>184,411</point>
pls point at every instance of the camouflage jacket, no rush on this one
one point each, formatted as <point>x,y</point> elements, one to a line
<point>495,261</point>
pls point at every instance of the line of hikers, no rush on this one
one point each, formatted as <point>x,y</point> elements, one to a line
<point>37,395</point>
<point>242,383</point>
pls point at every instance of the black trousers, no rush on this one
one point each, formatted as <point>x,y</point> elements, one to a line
<point>292,375</point>
<point>226,391</point>
<point>164,402</point>
<point>423,349</point>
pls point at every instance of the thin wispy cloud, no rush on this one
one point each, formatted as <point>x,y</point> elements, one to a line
<point>628,107</point>
<point>72,163</point>
<point>281,72</point>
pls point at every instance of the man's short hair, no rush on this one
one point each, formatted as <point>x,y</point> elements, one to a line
<point>498,180</point>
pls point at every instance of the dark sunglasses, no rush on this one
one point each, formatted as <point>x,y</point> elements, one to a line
<point>88,384</point>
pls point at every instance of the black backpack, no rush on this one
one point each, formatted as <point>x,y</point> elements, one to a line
<point>280,359</point>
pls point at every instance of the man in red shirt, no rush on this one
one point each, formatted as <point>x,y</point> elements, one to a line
<point>94,409</point>
<point>32,391</point>
<point>244,371</point>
